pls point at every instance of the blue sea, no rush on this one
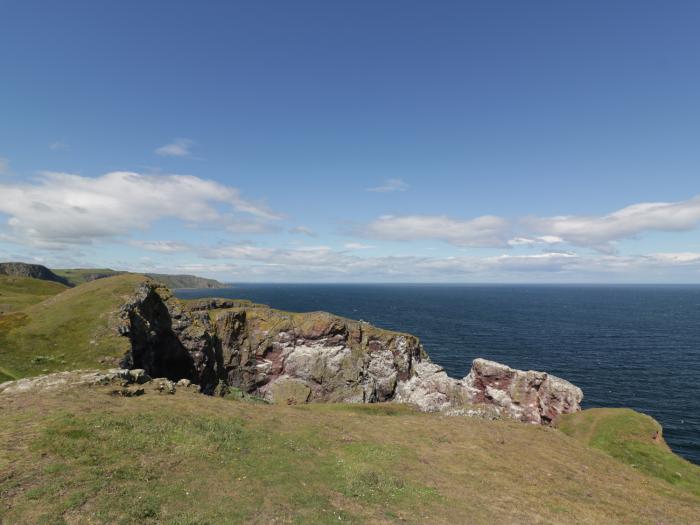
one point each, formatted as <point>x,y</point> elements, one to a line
<point>631,346</point>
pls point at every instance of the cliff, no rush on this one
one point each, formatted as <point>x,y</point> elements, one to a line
<point>35,271</point>
<point>318,357</point>
<point>78,276</point>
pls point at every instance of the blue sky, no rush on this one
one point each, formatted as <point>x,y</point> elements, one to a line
<point>363,141</point>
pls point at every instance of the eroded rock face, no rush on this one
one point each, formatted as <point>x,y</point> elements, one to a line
<point>318,357</point>
<point>432,390</point>
<point>534,397</point>
<point>279,356</point>
<point>166,340</point>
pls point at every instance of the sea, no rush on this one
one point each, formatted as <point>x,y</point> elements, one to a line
<point>634,346</point>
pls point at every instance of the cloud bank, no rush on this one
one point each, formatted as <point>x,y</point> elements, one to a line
<point>485,231</point>
<point>251,261</point>
<point>60,208</point>
<point>600,232</point>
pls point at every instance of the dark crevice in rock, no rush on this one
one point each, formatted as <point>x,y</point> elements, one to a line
<point>154,345</point>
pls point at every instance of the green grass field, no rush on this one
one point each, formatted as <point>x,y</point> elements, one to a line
<point>629,437</point>
<point>71,329</point>
<point>17,293</point>
<point>84,456</point>
<point>78,276</point>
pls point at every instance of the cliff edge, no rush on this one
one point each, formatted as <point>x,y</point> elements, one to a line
<point>296,358</point>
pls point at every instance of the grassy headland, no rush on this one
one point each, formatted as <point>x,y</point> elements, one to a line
<point>634,439</point>
<point>81,455</point>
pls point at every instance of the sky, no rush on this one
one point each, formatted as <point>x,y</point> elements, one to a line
<point>365,141</point>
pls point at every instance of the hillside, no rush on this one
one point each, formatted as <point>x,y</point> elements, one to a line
<point>76,276</point>
<point>185,281</point>
<point>72,329</point>
<point>86,456</point>
<point>36,271</point>
<point>635,439</point>
<point>19,292</point>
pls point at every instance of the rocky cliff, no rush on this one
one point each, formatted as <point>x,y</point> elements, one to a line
<point>318,357</point>
<point>78,276</point>
<point>35,271</point>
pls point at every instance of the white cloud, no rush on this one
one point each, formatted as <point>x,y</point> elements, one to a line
<point>487,230</point>
<point>674,258</point>
<point>601,232</point>
<point>358,246</point>
<point>240,225</point>
<point>534,241</point>
<point>177,148</point>
<point>303,230</point>
<point>162,246</point>
<point>60,208</point>
<point>390,185</point>
<point>58,146</point>
<point>308,255</point>
<point>321,262</point>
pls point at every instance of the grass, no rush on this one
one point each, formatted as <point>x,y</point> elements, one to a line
<point>17,293</point>
<point>69,330</point>
<point>630,437</point>
<point>83,456</point>
<point>79,276</point>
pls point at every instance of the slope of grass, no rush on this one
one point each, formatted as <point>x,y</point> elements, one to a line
<point>73,329</point>
<point>83,456</point>
<point>635,439</point>
<point>77,276</point>
<point>19,292</point>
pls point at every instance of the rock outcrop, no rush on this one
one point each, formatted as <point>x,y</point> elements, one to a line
<point>534,397</point>
<point>318,357</point>
<point>128,382</point>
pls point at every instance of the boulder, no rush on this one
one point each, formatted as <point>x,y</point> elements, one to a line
<point>533,397</point>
